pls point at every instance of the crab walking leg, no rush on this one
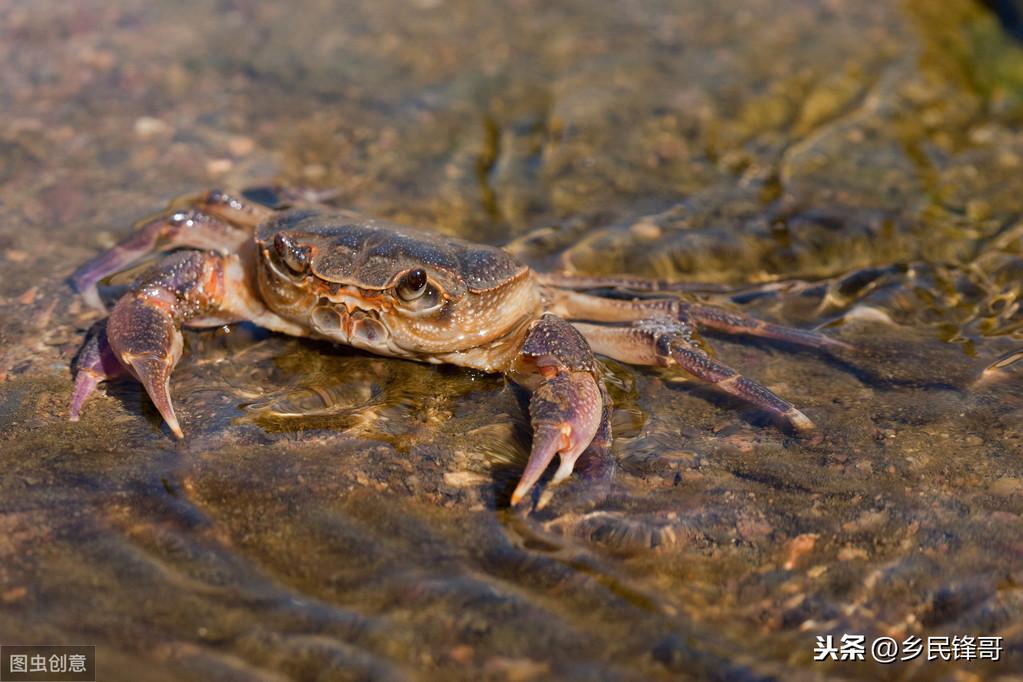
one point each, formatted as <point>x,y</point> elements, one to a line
<point>626,282</point>
<point>211,220</point>
<point>96,362</point>
<point>728,322</point>
<point>199,288</point>
<point>568,407</point>
<point>667,343</point>
<point>182,228</point>
<point>573,305</point>
<point>239,212</point>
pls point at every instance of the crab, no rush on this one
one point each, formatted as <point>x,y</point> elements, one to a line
<point>406,293</point>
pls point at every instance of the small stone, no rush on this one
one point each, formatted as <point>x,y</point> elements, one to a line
<point>240,145</point>
<point>518,669</point>
<point>868,520</point>
<point>850,553</point>
<point>147,127</point>
<point>753,529</point>
<point>219,166</point>
<point>463,479</point>
<point>797,547</point>
<point>29,296</point>
<point>645,230</point>
<point>314,171</point>
<point>1007,486</point>
<point>977,210</point>
<point>1008,160</point>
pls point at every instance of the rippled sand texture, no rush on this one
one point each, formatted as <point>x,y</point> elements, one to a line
<point>333,515</point>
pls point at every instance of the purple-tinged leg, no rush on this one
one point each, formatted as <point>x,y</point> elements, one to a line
<point>573,305</point>
<point>565,413</point>
<point>729,322</point>
<point>234,209</point>
<point>593,472</point>
<point>96,362</point>
<point>144,328</point>
<point>143,332</point>
<point>568,408</point>
<point>666,343</point>
<point>193,228</point>
<point>148,341</point>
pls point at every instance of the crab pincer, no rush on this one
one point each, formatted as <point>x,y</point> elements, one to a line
<point>567,408</point>
<point>144,328</point>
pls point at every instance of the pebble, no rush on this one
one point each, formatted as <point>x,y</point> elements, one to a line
<point>1007,486</point>
<point>240,145</point>
<point>219,166</point>
<point>147,127</point>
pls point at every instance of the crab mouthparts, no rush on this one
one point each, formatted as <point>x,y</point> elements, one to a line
<point>357,326</point>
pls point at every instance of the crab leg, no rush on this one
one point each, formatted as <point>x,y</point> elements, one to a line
<point>626,282</point>
<point>144,328</point>
<point>577,306</point>
<point>666,343</point>
<point>199,288</point>
<point>210,221</point>
<point>96,362</point>
<point>239,212</point>
<point>728,322</point>
<point>569,408</point>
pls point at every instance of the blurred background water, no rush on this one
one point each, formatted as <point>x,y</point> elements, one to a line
<point>334,515</point>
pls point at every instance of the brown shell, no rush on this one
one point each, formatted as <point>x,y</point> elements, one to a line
<point>370,253</point>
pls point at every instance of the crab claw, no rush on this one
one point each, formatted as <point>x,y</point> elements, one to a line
<point>144,336</point>
<point>154,375</point>
<point>566,410</point>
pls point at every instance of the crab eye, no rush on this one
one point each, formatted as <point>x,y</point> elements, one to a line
<point>294,256</point>
<point>412,284</point>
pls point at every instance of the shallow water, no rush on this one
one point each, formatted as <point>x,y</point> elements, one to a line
<point>333,515</point>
